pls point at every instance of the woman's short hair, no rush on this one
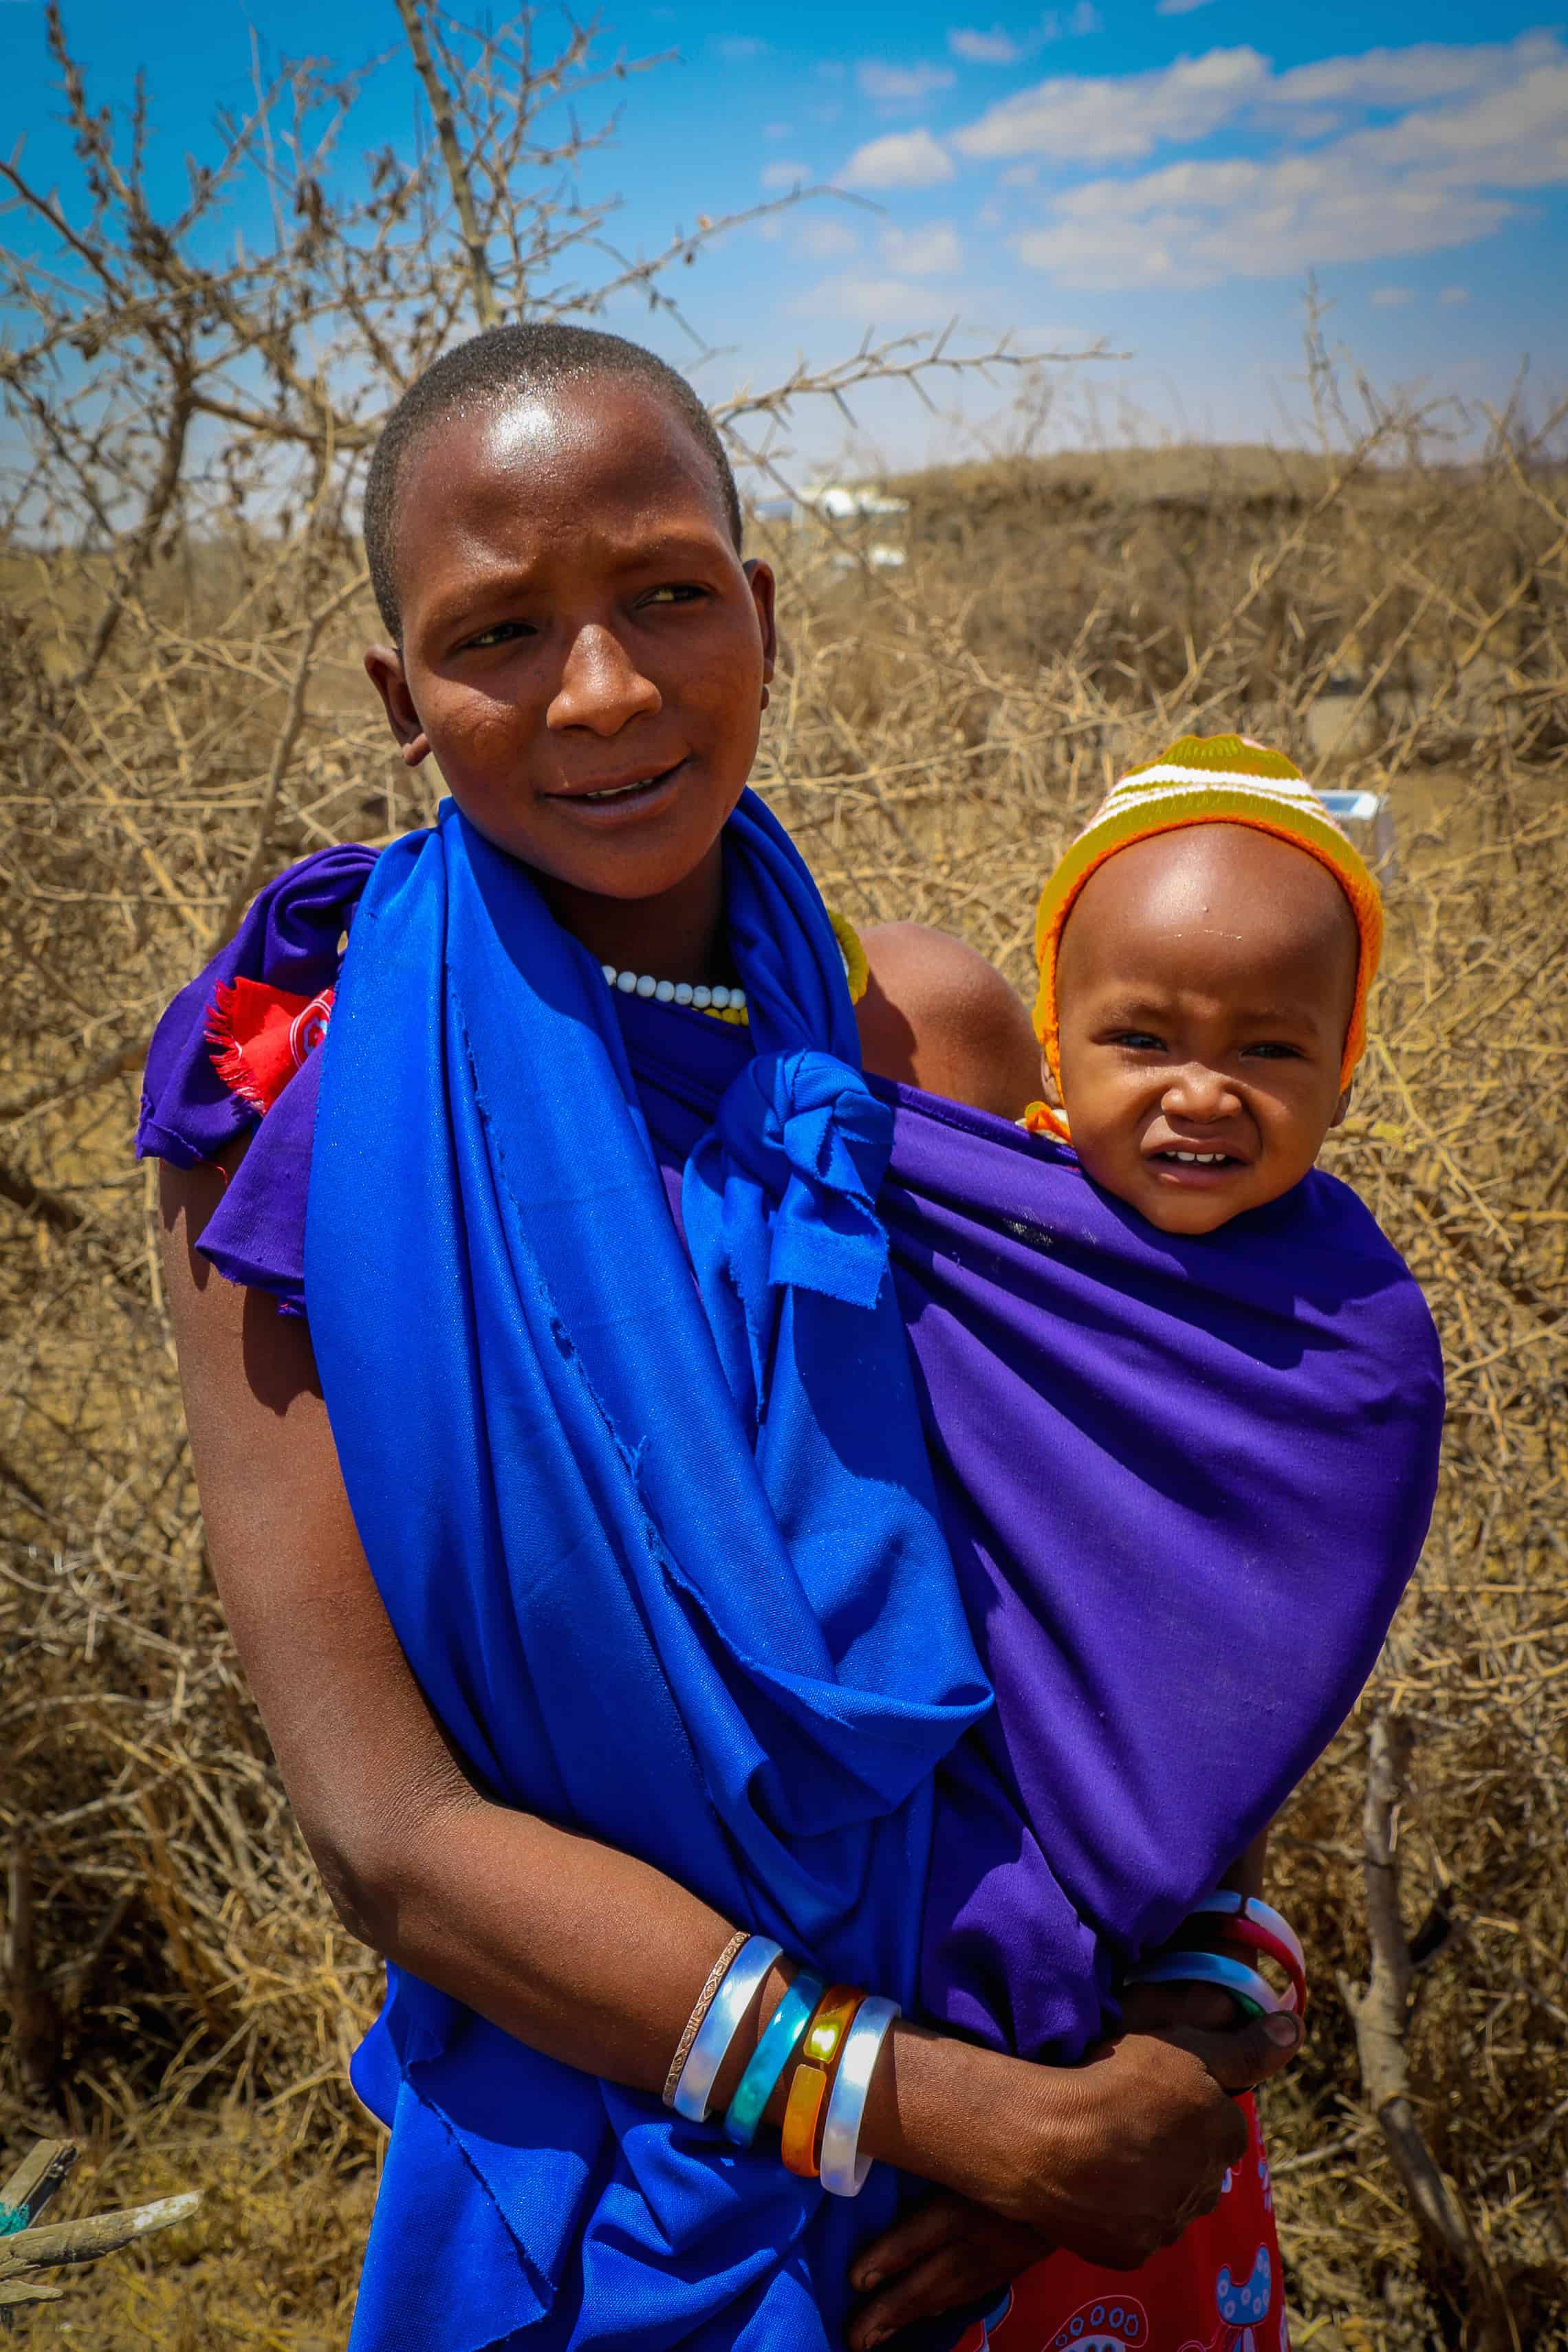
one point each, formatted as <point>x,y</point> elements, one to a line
<point>495,367</point>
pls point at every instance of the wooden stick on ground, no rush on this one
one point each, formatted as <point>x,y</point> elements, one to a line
<point>25,2248</point>
<point>1381,2015</point>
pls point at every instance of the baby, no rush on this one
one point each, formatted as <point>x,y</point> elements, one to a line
<point>1205,949</point>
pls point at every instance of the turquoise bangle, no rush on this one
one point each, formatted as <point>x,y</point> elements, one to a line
<point>771,2056</point>
<point>1243,1984</point>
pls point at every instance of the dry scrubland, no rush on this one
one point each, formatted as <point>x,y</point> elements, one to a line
<point>186,714</point>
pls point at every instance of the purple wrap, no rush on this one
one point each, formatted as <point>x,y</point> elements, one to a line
<point>1185,1479</point>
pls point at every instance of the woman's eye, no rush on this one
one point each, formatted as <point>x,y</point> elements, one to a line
<point>679,592</point>
<point>501,633</point>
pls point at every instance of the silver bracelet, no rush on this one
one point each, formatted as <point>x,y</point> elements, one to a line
<point>843,2168</point>
<point>711,2044</point>
<point>704,2002</point>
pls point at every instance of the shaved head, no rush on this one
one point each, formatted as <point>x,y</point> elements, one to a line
<point>1229,899</point>
<point>1205,981</point>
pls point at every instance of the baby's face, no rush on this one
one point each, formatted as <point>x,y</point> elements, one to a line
<point>1205,984</point>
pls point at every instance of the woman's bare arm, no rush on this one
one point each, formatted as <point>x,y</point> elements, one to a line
<point>580,1950</point>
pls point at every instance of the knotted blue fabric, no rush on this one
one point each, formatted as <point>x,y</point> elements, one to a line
<point>664,1556</point>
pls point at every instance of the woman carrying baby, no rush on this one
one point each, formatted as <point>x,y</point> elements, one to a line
<point>573,1490</point>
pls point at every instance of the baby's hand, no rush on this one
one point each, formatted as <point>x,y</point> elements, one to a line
<point>937,2257</point>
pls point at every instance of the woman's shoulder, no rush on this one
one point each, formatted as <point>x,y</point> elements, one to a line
<point>233,1061</point>
<point>228,1039</point>
<point>936,1014</point>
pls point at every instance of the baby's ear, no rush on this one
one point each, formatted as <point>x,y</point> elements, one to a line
<point>1049,1090</point>
<point>1341,1108</point>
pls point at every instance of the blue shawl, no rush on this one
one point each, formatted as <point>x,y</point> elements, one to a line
<point>665,1556</point>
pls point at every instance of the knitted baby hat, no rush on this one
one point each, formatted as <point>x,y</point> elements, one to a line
<point>1209,779</point>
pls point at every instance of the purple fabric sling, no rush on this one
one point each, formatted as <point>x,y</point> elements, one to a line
<point>1185,1481</point>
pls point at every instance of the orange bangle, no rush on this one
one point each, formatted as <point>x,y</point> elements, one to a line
<point>820,2049</point>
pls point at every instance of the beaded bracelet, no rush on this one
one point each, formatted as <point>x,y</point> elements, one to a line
<point>814,2075</point>
<point>771,2056</point>
<point>843,2168</point>
<point>1255,1995</point>
<point>721,1969</point>
<point>710,2045</point>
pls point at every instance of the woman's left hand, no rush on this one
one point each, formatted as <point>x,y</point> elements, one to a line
<point>935,2258</point>
<point>948,2251</point>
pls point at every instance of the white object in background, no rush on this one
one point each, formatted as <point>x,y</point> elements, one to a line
<point>1369,819</point>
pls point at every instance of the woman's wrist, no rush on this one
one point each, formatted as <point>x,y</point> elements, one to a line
<point>963,2117</point>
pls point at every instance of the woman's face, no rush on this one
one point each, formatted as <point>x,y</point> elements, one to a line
<point>584,652</point>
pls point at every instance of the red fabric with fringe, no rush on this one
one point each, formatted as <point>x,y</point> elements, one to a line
<point>261,1036</point>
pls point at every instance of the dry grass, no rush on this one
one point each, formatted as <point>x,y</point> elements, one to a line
<point>186,714</point>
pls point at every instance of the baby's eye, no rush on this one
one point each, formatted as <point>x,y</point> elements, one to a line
<point>1139,1041</point>
<point>1273,1049</point>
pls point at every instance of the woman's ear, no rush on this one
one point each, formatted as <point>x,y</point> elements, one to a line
<point>760,580</point>
<point>1341,1108</point>
<point>383,668</point>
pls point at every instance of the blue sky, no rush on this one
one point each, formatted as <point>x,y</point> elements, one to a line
<point>1163,173</point>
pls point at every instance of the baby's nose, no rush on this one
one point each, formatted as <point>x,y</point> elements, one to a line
<point>1197,1092</point>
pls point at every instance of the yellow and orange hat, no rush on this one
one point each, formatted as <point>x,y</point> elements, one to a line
<point>1209,779</point>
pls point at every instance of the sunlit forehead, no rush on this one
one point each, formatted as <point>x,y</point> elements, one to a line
<point>526,428</point>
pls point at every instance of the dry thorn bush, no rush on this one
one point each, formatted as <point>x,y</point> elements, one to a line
<point>183,609</point>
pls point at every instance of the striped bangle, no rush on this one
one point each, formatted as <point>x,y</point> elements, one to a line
<point>844,2169</point>
<point>710,2046</point>
<point>1252,1937</point>
<point>1259,1925</point>
<point>771,2056</point>
<point>721,1969</point>
<point>1229,1904</point>
<point>1244,1984</point>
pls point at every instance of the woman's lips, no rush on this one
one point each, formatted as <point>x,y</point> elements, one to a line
<point>609,797</point>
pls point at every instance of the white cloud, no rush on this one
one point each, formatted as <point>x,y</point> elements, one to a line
<point>888,85</point>
<point>786,176</point>
<point>1084,20</point>
<point>739,49</point>
<point>1193,224</point>
<point>1410,77</point>
<point>1467,102</point>
<point>776,130</point>
<point>875,302</point>
<point>992,49</point>
<point>1454,294</point>
<point>929,252</point>
<point>1515,136</point>
<point>904,159</point>
<point>1103,118</point>
<point>1392,298</point>
<point>1178,7</point>
<point>825,240</point>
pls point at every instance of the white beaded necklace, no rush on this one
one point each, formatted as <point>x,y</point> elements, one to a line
<point>731,1001</point>
<point>727,1004</point>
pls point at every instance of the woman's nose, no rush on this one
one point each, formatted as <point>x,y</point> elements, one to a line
<point>1197,1092</point>
<point>601,686</point>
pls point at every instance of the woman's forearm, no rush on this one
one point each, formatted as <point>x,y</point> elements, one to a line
<point>597,1958</point>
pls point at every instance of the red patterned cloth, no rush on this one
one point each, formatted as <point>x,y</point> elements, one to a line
<point>1219,2290</point>
<point>260,1037</point>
